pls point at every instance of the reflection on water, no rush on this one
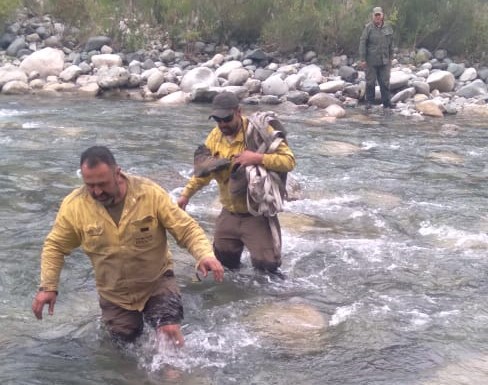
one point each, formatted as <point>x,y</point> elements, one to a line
<point>386,247</point>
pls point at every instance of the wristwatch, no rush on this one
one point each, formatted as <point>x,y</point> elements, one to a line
<point>44,289</point>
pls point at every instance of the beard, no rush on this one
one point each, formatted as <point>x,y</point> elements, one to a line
<point>107,199</point>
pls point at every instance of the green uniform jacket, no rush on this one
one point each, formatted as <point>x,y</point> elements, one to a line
<point>129,258</point>
<point>376,44</point>
<point>282,160</point>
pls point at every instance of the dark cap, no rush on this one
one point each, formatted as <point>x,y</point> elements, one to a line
<point>224,104</point>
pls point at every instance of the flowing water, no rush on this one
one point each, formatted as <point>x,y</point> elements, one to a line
<point>386,248</point>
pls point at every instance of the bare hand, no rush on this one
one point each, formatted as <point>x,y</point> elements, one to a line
<point>182,202</point>
<point>173,334</point>
<point>248,158</point>
<point>42,298</point>
<point>211,264</point>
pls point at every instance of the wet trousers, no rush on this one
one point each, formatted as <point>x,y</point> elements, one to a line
<point>235,231</point>
<point>382,75</point>
<point>164,307</point>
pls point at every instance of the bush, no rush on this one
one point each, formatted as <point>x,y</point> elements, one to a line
<point>7,8</point>
<point>290,26</point>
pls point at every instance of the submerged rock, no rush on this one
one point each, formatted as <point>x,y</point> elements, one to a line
<point>290,327</point>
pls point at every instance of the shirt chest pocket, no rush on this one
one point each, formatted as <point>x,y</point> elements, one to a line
<point>144,232</point>
<point>94,237</point>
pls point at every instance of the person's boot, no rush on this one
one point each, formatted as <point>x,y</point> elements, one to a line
<point>204,163</point>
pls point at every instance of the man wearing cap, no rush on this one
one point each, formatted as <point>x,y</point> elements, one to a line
<point>376,53</point>
<point>236,228</point>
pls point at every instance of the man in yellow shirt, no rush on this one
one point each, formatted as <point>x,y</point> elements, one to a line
<point>236,227</point>
<point>121,222</point>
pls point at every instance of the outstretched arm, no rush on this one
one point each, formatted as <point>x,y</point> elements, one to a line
<point>211,264</point>
<point>62,239</point>
<point>42,298</point>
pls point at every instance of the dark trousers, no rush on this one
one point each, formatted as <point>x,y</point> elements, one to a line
<point>164,307</point>
<point>382,74</point>
<point>234,231</point>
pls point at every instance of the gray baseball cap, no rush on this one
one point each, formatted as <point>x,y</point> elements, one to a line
<point>377,10</point>
<point>224,104</point>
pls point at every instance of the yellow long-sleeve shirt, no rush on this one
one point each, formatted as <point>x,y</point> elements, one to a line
<point>129,258</point>
<point>282,160</point>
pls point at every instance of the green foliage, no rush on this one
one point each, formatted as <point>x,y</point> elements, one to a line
<point>294,25</point>
<point>290,26</point>
<point>7,8</point>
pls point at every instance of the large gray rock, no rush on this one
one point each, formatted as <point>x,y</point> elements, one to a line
<point>225,69</point>
<point>478,87</point>
<point>429,108</point>
<point>323,100</point>
<point>175,98</point>
<point>296,328</point>
<point>167,56</point>
<point>298,97</point>
<point>294,81</point>
<point>312,72</point>
<point>443,81</point>
<point>155,79</point>
<point>456,69</point>
<point>423,55</point>
<point>274,85</point>
<point>198,76</point>
<point>403,95</point>
<point>398,79</point>
<point>15,87</point>
<point>421,87</point>
<point>167,88</point>
<point>70,74</point>
<point>113,77</point>
<point>107,60</point>
<point>47,61</point>
<point>347,73</point>
<point>10,73</point>
<point>309,86</point>
<point>257,54</point>
<point>483,74</point>
<point>6,39</point>
<point>468,75</point>
<point>332,86</point>
<point>253,85</point>
<point>96,42</point>
<point>238,76</point>
<point>263,73</point>
<point>335,111</point>
<point>16,46</point>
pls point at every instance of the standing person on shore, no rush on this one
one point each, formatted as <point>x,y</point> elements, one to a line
<point>376,54</point>
<point>236,226</point>
<point>121,222</point>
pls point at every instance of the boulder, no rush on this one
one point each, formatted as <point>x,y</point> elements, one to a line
<point>296,328</point>
<point>443,81</point>
<point>47,61</point>
<point>198,76</point>
<point>429,108</point>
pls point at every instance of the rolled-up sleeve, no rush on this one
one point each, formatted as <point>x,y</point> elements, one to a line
<point>282,160</point>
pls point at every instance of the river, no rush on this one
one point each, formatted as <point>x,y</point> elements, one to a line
<point>387,243</point>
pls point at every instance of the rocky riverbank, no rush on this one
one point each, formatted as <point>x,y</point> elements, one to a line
<point>39,56</point>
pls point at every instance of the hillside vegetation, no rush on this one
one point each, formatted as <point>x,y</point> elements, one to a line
<point>329,27</point>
